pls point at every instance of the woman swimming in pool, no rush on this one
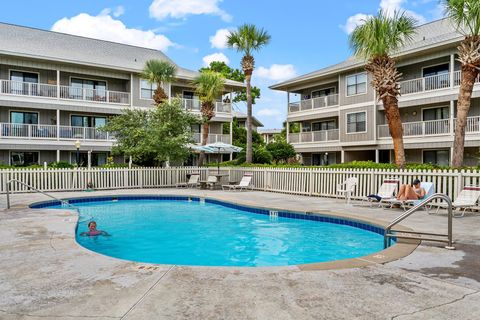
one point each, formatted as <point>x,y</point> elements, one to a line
<point>92,230</point>
<point>411,192</point>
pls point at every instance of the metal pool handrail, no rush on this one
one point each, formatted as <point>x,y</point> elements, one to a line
<point>418,235</point>
<point>63,202</point>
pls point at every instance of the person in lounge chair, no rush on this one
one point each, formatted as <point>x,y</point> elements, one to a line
<point>411,192</point>
<point>92,230</point>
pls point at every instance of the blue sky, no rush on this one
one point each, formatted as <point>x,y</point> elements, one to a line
<point>306,34</point>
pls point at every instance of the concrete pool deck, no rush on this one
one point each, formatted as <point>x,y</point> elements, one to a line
<point>44,274</point>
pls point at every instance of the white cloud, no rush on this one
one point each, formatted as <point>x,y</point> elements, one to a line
<point>161,9</point>
<point>268,112</point>
<point>219,40</point>
<point>104,27</point>
<point>277,72</point>
<point>218,56</point>
<point>387,6</point>
<point>354,21</point>
<point>120,10</point>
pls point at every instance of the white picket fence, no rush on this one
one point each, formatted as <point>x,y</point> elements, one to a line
<point>302,181</point>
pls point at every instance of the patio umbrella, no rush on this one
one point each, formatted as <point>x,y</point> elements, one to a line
<point>217,147</point>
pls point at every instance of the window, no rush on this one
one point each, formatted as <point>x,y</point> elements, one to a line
<point>435,70</point>
<point>88,121</point>
<point>436,113</point>
<point>22,158</point>
<point>98,159</point>
<point>24,117</point>
<point>21,83</point>
<point>147,89</point>
<point>92,90</point>
<point>323,92</point>
<point>306,127</point>
<point>323,159</point>
<point>356,122</point>
<point>324,125</point>
<point>356,84</point>
<point>438,157</point>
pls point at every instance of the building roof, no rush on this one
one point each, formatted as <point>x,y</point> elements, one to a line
<point>242,116</point>
<point>432,34</point>
<point>55,46</point>
<point>269,131</point>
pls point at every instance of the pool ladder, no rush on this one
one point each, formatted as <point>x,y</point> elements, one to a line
<point>63,202</point>
<point>427,236</point>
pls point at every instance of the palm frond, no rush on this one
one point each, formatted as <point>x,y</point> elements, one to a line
<point>209,86</point>
<point>158,71</point>
<point>248,38</point>
<point>465,14</point>
<point>382,35</point>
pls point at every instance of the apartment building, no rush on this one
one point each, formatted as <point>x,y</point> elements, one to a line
<point>56,90</point>
<point>334,116</point>
<point>269,135</point>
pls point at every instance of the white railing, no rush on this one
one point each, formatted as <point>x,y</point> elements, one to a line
<point>28,89</point>
<point>314,136</point>
<point>66,92</point>
<point>436,82</point>
<point>419,128</point>
<point>42,131</point>
<point>301,181</point>
<point>473,125</point>
<point>195,105</point>
<point>212,138</point>
<point>315,103</point>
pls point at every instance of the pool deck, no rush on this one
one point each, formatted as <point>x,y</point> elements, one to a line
<point>45,274</point>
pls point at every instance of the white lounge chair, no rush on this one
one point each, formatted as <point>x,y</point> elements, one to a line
<point>386,192</point>
<point>466,199</point>
<point>245,183</point>
<point>347,188</point>
<point>429,191</point>
<point>192,182</point>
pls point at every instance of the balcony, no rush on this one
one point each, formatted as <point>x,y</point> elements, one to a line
<point>313,104</point>
<point>432,83</point>
<point>195,105</point>
<point>213,138</point>
<point>63,92</point>
<point>52,132</point>
<point>314,136</point>
<point>430,128</point>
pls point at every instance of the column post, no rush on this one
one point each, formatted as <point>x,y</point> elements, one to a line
<point>58,84</point>
<point>231,135</point>
<point>452,117</point>
<point>377,155</point>
<point>58,124</point>
<point>342,156</point>
<point>131,89</point>
<point>288,130</point>
<point>169,92</point>
<point>58,155</point>
<point>452,69</point>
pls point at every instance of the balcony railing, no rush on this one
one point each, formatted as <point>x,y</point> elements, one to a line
<point>195,105</point>
<point>52,132</point>
<point>225,138</point>
<point>315,103</point>
<point>66,92</point>
<point>437,82</point>
<point>314,136</point>
<point>419,128</point>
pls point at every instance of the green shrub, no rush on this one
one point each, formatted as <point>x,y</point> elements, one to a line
<point>61,165</point>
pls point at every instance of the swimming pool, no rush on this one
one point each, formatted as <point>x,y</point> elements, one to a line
<point>191,231</point>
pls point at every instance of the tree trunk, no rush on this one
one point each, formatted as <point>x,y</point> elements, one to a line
<point>205,131</point>
<point>249,151</point>
<point>469,74</point>
<point>395,127</point>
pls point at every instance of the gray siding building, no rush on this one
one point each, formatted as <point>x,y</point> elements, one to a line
<point>57,89</point>
<point>341,120</point>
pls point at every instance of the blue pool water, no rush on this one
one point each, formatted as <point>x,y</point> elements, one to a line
<point>211,234</point>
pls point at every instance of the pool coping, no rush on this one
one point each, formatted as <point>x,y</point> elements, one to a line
<point>400,249</point>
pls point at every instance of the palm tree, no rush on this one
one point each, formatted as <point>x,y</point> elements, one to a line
<point>209,86</point>
<point>159,72</point>
<point>375,41</point>
<point>246,39</point>
<point>466,15</point>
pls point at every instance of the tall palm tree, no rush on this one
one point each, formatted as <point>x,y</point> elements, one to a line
<point>466,15</point>
<point>246,39</point>
<point>159,72</point>
<point>375,41</point>
<point>209,86</point>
